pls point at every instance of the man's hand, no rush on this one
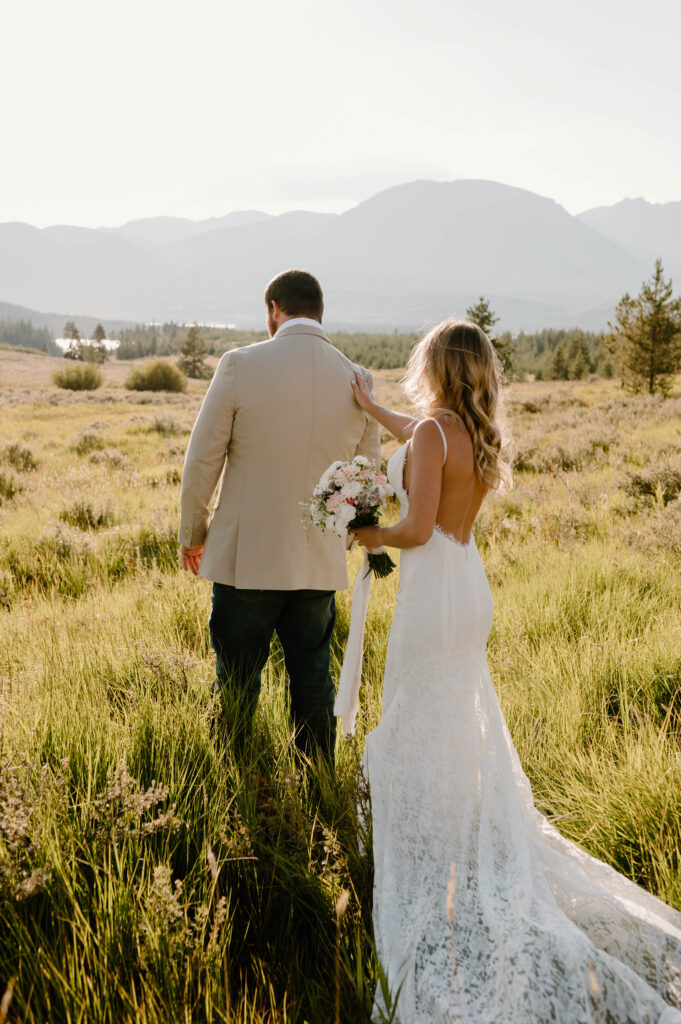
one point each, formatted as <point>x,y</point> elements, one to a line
<point>191,557</point>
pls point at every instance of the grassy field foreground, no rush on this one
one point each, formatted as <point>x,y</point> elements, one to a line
<point>148,874</point>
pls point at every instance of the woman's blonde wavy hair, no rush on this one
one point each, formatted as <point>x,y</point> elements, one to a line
<point>455,371</point>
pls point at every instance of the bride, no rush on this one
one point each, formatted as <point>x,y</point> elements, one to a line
<point>483,913</point>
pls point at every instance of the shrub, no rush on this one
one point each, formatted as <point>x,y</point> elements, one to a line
<point>85,516</point>
<point>19,457</point>
<point>158,376</point>
<point>555,458</point>
<point>8,488</point>
<point>110,457</point>
<point>165,426</point>
<point>79,378</point>
<point>87,442</point>
<point>172,477</point>
<point>662,482</point>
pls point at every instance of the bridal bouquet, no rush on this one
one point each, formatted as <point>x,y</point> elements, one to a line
<point>349,495</point>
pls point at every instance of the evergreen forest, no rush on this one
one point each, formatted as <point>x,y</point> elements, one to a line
<point>547,355</point>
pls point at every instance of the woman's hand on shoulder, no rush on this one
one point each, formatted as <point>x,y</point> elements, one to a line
<point>362,392</point>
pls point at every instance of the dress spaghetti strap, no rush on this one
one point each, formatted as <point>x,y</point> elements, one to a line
<point>444,439</point>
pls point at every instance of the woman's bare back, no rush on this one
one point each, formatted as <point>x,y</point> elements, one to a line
<point>462,492</point>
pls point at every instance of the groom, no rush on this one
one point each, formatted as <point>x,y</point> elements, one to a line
<point>275,416</point>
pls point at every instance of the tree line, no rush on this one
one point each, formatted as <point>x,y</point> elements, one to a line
<point>558,354</point>
<point>25,335</point>
<point>642,345</point>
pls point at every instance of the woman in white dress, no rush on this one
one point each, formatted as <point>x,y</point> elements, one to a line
<point>483,913</point>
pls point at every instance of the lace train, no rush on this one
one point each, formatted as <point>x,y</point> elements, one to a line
<point>528,927</point>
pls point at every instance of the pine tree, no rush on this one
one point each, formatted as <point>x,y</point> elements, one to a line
<point>578,366</point>
<point>559,366</point>
<point>482,315</point>
<point>72,335</point>
<point>96,351</point>
<point>193,353</point>
<point>645,338</point>
<point>578,360</point>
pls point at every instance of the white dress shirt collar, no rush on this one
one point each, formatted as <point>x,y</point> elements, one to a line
<point>308,321</point>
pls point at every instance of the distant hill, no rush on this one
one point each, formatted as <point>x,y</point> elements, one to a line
<point>647,230</point>
<point>432,248</point>
<point>154,231</point>
<point>403,259</point>
<point>54,322</point>
<point>93,271</point>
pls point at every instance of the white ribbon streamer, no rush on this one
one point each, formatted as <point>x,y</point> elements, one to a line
<point>347,698</point>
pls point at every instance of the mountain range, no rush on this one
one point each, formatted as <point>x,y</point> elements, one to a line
<point>403,258</point>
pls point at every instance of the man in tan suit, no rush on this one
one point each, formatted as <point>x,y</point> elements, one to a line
<point>275,416</point>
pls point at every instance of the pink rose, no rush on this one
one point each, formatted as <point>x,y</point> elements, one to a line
<point>335,502</point>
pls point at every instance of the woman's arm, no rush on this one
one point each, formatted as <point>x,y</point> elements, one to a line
<point>397,423</point>
<point>424,495</point>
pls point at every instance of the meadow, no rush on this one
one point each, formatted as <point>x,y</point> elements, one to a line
<point>150,873</point>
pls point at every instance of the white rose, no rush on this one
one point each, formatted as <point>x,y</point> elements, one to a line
<point>346,514</point>
<point>352,489</point>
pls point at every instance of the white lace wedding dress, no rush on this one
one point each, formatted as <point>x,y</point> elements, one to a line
<point>538,930</point>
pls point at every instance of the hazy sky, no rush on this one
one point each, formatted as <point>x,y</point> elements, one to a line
<point>145,107</point>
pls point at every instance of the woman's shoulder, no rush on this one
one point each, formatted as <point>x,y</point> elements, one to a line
<point>457,439</point>
<point>451,426</point>
<point>428,434</point>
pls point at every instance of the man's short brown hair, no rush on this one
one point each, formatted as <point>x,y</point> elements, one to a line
<point>297,293</point>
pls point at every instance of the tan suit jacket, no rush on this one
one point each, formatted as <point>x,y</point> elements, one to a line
<point>275,416</point>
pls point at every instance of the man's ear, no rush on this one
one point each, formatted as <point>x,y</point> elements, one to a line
<point>275,309</point>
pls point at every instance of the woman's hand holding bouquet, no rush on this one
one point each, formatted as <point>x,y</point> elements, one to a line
<point>349,499</point>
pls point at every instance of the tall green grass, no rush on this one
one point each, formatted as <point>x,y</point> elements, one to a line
<point>151,872</point>
<point>119,780</point>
